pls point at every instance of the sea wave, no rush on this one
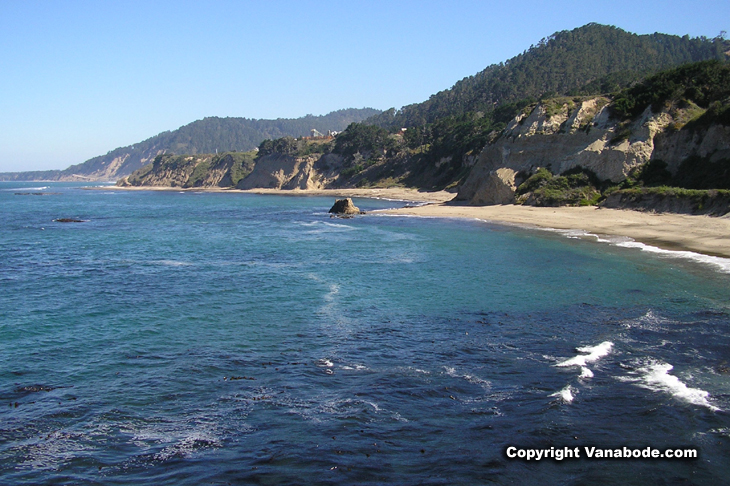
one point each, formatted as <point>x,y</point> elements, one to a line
<point>566,394</point>
<point>594,353</point>
<point>720,263</point>
<point>723,264</point>
<point>171,263</point>
<point>16,189</point>
<point>654,375</point>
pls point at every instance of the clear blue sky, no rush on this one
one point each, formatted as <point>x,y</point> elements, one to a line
<point>80,78</point>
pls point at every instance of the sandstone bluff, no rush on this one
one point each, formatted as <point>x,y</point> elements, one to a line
<point>582,134</point>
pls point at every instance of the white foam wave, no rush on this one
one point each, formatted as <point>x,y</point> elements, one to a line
<point>594,354</point>
<point>26,188</point>
<point>571,233</point>
<point>485,384</point>
<point>585,372</point>
<point>340,226</point>
<point>356,367</point>
<point>566,394</point>
<point>656,377</point>
<point>171,263</point>
<point>334,290</point>
<point>723,264</point>
<point>318,227</point>
<point>578,234</point>
<point>325,363</point>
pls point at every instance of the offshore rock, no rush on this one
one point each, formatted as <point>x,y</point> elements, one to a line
<point>345,206</point>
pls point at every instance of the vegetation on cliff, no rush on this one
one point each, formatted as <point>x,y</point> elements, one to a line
<point>705,84</point>
<point>591,59</point>
<point>698,185</point>
<point>204,170</point>
<point>712,202</point>
<point>576,187</point>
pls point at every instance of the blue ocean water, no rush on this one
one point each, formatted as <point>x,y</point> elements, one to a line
<point>228,338</point>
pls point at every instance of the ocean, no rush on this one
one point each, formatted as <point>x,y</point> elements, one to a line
<point>229,338</point>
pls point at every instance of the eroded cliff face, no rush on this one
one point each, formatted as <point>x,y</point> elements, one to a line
<point>567,134</point>
<point>187,171</point>
<point>673,147</point>
<point>278,171</point>
<point>240,170</point>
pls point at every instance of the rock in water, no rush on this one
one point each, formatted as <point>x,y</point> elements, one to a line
<point>68,220</point>
<point>345,206</point>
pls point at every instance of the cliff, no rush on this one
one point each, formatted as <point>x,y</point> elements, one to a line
<point>671,129</point>
<point>206,170</point>
<point>572,133</point>
<point>280,171</point>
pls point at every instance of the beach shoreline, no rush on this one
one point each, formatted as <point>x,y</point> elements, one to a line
<point>706,235</point>
<point>675,232</point>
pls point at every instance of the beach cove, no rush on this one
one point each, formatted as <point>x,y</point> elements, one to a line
<point>677,232</point>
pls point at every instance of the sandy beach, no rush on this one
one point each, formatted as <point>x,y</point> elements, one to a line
<point>701,234</point>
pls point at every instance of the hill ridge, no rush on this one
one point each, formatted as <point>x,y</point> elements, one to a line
<point>206,135</point>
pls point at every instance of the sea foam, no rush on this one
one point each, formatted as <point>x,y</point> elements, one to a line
<point>720,263</point>
<point>594,354</point>
<point>723,264</point>
<point>656,377</point>
<point>566,394</point>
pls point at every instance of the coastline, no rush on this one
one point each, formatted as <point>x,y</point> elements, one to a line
<point>391,193</point>
<point>675,232</point>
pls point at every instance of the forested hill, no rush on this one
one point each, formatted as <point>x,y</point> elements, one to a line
<point>203,136</point>
<point>591,59</point>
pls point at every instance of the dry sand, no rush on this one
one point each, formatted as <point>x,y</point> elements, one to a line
<point>701,234</point>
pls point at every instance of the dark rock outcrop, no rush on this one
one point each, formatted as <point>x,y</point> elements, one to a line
<point>346,207</point>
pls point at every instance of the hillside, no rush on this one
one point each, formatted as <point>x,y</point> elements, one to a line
<point>199,137</point>
<point>670,129</point>
<point>592,59</point>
